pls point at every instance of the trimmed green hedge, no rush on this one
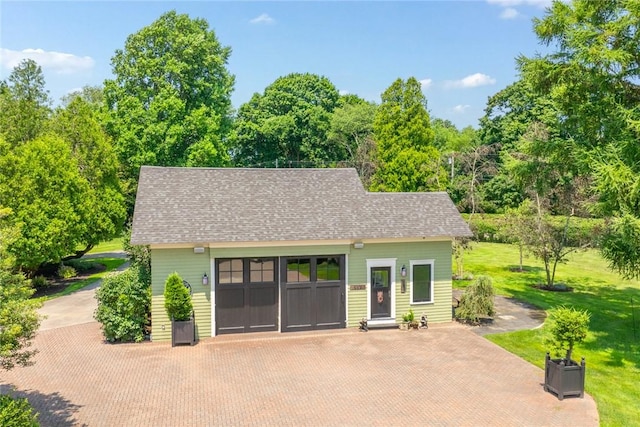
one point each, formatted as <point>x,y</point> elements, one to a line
<point>486,228</point>
<point>124,305</point>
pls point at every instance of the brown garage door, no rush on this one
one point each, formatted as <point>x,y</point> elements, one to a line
<point>313,293</point>
<point>246,295</point>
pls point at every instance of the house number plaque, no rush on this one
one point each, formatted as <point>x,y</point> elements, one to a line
<point>357,287</point>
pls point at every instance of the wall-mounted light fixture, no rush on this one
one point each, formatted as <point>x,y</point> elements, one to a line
<point>403,271</point>
<point>358,245</point>
<point>205,279</point>
<point>198,250</point>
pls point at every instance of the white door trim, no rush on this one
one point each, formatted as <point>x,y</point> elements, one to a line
<point>382,262</point>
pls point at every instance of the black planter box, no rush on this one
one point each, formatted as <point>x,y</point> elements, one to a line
<point>183,332</point>
<point>564,379</point>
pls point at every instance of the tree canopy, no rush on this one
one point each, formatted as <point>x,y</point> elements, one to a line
<point>407,158</point>
<point>169,103</point>
<point>288,124</point>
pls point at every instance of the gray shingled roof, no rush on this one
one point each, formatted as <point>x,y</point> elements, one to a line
<point>208,205</point>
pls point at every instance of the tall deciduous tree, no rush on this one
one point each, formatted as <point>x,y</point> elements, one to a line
<point>592,79</point>
<point>51,201</point>
<point>24,103</point>
<point>78,124</point>
<point>288,124</point>
<point>169,102</point>
<point>407,158</point>
<point>351,132</point>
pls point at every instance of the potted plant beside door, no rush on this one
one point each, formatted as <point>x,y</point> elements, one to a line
<point>177,303</point>
<point>565,377</point>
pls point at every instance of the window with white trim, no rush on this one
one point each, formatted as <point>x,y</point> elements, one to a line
<point>421,281</point>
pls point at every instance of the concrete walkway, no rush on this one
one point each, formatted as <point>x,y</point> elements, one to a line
<point>78,307</point>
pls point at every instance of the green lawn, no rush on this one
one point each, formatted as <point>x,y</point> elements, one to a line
<point>109,263</point>
<point>110,246</point>
<point>612,350</point>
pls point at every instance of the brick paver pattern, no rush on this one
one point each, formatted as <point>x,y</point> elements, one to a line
<point>442,376</point>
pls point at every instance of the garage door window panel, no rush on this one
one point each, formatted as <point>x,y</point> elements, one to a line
<point>262,270</point>
<point>298,270</point>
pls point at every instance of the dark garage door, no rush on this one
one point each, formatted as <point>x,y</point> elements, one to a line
<point>246,295</point>
<point>313,293</point>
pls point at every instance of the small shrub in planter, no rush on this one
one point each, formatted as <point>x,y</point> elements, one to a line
<point>407,319</point>
<point>17,412</point>
<point>476,301</point>
<point>179,308</point>
<point>67,272</point>
<point>567,327</point>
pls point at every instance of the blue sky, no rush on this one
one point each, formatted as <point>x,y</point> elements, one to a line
<point>462,51</point>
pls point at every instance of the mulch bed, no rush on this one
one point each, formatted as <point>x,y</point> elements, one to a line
<point>57,284</point>
<point>558,287</point>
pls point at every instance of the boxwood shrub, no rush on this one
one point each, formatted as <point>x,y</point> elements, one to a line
<point>17,412</point>
<point>124,305</point>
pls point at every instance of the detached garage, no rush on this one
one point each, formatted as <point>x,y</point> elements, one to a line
<point>293,249</point>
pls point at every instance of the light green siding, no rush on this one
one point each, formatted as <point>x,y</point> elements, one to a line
<point>280,251</point>
<point>190,267</point>
<point>438,311</point>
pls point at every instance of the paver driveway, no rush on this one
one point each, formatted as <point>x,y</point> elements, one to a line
<point>443,376</point>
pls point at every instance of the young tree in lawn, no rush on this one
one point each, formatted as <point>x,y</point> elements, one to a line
<point>407,158</point>
<point>169,102</point>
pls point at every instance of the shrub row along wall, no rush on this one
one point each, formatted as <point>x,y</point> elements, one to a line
<point>486,228</point>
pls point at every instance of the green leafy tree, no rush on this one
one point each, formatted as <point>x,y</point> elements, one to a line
<point>407,159</point>
<point>24,104</point>
<point>52,203</point>
<point>591,76</point>
<point>19,319</point>
<point>351,129</point>
<point>78,124</point>
<point>169,103</point>
<point>177,300</point>
<point>288,124</point>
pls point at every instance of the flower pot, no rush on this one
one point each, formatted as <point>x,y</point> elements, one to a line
<point>404,326</point>
<point>564,378</point>
<point>183,332</point>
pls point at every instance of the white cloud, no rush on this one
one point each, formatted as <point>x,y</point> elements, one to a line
<point>473,80</point>
<point>511,3</point>
<point>263,19</point>
<point>343,92</point>
<point>509,13</point>
<point>426,83</point>
<point>60,62</point>
<point>460,108</point>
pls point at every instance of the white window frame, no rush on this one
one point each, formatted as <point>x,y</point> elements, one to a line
<point>430,262</point>
<point>384,262</point>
